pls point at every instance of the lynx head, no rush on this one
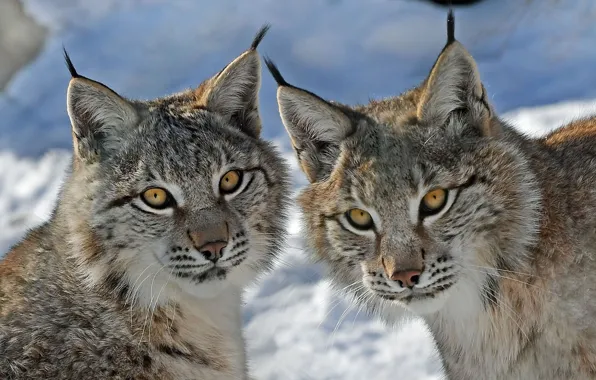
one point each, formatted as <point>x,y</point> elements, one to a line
<point>174,193</point>
<point>425,210</point>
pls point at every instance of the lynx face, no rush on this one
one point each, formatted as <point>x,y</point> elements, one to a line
<point>193,198</point>
<point>422,211</point>
<point>178,193</point>
<point>413,225</point>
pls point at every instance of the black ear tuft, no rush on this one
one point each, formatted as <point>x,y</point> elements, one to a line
<point>259,37</point>
<point>275,72</point>
<point>71,68</point>
<point>450,27</point>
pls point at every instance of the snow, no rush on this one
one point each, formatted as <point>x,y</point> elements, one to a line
<point>536,59</point>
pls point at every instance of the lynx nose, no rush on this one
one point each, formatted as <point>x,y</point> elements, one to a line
<point>213,251</point>
<point>406,278</point>
<point>210,241</point>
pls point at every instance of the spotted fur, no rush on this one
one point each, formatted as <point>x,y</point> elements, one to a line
<point>110,288</point>
<point>506,269</point>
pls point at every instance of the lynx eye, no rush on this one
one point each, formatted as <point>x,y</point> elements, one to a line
<point>433,202</point>
<point>157,198</point>
<point>359,219</point>
<point>230,182</point>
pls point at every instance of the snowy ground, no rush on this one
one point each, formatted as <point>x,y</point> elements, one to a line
<point>530,55</point>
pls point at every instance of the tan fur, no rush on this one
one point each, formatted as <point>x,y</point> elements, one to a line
<point>114,286</point>
<point>508,278</point>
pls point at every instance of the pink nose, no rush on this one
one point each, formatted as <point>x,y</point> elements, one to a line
<point>406,278</point>
<point>213,250</point>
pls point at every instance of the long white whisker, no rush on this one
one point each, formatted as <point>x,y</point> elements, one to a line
<point>132,294</point>
<point>339,322</point>
<point>156,301</point>
<point>509,278</point>
<point>502,270</point>
<point>150,301</point>
<point>509,312</point>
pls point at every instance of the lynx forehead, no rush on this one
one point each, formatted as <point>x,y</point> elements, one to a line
<point>434,204</point>
<point>172,207</point>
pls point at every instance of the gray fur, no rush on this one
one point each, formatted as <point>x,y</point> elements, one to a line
<point>507,282</point>
<point>110,288</point>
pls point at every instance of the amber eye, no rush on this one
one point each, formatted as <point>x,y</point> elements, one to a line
<point>230,182</point>
<point>157,198</point>
<point>433,202</point>
<point>359,219</point>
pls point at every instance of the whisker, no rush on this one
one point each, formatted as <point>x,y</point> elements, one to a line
<point>150,301</point>
<point>132,295</point>
<point>173,316</point>
<point>502,270</point>
<point>156,301</point>
<point>508,278</point>
<point>351,285</point>
<point>339,322</point>
<point>336,304</point>
<point>508,311</point>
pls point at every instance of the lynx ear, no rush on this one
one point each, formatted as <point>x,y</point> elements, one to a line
<point>316,127</point>
<point>454,88</point>
<point>234,91</point>
<point>99,116</point>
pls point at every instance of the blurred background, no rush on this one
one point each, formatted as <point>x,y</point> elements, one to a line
<point>537,59</point>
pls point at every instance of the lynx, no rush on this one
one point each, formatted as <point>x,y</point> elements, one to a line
<point>433,204</point>
<point>171,208</point>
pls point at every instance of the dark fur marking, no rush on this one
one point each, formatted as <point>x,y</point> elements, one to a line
<point>189,266</point>
<point>260,169</point>
<point>259,36</point>
<point>147,362</point>
<point>501,263</point>
<point>182,258</point>
<point>220,273</point>
<point>69,64</point>
<point>250,182</point>
<point>120,202</point>
<point>115,283</point>
<point>484,101</point>
<point>174,352</point>
<point>237,254</point>
<point>450,27</point>
<point>490,290</point>
<point>239,244</point>
<point>279,79</point>
<point>195,357</point>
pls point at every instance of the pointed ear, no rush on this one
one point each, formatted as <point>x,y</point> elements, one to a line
<point>234,92</point>
<point>98,116</point>
<point>454,89</point>
<point>316,127</point>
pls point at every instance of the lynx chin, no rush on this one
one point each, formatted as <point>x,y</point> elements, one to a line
<point>171,207</point>
<point>430,202</point>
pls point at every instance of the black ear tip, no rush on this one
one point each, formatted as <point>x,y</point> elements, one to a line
<point>450,26</point>
<point>275,72</point>
<point>259,36</point>
<point>71,68</point>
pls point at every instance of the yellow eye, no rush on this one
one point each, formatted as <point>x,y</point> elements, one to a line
<point>230,181</point>
<point>359,219</point>
<point>433,202</point>
<point>157,198</point>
